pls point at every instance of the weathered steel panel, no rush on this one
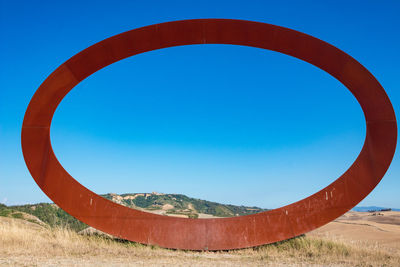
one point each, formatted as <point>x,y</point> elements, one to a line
<point>211,234</point>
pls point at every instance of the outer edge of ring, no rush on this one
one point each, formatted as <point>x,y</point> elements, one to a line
<point>211,234</point>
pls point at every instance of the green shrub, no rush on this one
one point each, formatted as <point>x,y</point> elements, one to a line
<point>17,215</point>
<point>5,212</point>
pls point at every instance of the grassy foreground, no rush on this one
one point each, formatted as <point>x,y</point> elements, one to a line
<point>27,244</point>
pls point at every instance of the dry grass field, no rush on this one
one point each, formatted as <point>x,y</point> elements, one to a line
<point>372,230</point>
<point>28,244</point>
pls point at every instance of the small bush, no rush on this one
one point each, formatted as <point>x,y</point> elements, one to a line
<point>17,215</point>
<point>5,212</point>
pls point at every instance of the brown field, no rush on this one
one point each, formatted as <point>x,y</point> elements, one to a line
<point>373,230</point>
<point>355,239</point>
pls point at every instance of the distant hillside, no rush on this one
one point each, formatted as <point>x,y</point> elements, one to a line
<point>177,204</point>
<point>43,213</point>
<point>373,208</point>
<point>164,204</point>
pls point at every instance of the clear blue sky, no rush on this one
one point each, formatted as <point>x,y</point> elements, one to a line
<point>224,123</point>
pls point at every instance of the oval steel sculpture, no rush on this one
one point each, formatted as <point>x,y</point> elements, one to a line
<point>223,233</point>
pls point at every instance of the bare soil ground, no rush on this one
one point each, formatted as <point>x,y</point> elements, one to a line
<point>352,240</point>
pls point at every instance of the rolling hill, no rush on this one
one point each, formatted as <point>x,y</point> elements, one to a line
<point>372,209</point>
<point>164,204</point>
<point>178,204</point>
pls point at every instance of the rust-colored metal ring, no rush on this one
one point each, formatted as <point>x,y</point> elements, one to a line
<point>211,234</point>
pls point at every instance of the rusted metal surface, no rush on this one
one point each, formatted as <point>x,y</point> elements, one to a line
<point>211,234</point>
